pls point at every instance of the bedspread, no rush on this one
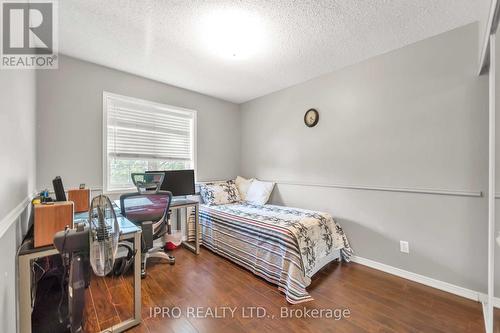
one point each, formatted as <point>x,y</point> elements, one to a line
<point>284,245</point>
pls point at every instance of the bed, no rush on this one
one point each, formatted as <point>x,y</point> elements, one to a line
<point>285,246</point>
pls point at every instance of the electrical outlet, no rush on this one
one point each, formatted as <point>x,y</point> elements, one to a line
<point>404,247</point>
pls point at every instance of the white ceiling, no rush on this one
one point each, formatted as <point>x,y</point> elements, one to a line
<point>295,41</point>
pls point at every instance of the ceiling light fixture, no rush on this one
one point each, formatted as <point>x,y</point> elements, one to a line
<point>232,33</point>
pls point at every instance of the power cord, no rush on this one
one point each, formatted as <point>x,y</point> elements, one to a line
<point>65,271</point>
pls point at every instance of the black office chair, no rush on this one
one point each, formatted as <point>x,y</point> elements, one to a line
<point>150,211</point>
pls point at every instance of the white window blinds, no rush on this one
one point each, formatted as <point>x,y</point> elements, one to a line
<point>142,130</point>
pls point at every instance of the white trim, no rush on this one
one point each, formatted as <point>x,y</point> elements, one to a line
<point>104,143</point>
<point>459,193</point>
<point>14,215</point>
<point>491,185</point>
<point>170,108</point>
<point>485,312</point>
<point>475,194</point>
<point>484,58</point>
<point>195,144</point>
<point>441,285</point>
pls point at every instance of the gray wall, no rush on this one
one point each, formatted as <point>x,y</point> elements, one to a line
<point>17,137</point>
<point>17,167</point>
<point>69,142</point>
<point>415,117</point>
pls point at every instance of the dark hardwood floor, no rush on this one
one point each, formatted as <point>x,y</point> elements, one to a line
<point>496,322</point>
<point>378,302</point>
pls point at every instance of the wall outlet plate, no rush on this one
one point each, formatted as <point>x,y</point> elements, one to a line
<point>404,247</point>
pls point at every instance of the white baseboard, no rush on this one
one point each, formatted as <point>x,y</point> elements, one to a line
<point>485,316</point>
<point>441,285</point>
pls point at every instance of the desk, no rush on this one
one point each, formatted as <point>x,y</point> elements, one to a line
<point>177,204</point>
<point>28,254</point>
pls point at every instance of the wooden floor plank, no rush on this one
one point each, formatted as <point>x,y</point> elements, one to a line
<point>101,300</point>
<point>90,317</point>
<point>496,322</point>
<point>377,301</point>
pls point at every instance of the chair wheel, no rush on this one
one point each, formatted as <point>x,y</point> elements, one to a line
<point>143,274</point>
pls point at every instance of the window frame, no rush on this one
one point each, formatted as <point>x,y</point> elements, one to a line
<point>105,161</point>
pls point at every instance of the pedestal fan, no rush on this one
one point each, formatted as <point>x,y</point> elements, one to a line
<point>94,244</point>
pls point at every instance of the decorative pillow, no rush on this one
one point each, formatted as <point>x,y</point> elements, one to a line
<point>243,185</point>
<point>219,193</point>
<point>259,192</point>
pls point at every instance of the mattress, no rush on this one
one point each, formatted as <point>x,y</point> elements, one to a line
<point>285,246</point>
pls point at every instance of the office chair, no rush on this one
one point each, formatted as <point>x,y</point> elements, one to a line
<point>150,211</point>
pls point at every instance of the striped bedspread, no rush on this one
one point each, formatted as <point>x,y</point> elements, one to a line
<point>283,245</point>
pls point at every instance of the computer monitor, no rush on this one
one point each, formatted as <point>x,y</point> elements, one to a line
<point>179,182</point>
<point>59,189</point>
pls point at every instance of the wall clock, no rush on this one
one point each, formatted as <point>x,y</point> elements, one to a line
<point>311,117</point>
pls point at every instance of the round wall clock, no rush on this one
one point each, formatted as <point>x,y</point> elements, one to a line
<point>311,117</point>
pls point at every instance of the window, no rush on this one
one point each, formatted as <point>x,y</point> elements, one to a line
<point>140,135</point>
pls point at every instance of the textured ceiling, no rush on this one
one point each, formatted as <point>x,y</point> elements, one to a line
<point>294,42</point>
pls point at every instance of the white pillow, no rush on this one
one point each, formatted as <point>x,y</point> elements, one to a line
<point>243,185</point>
<point>259,192</point>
